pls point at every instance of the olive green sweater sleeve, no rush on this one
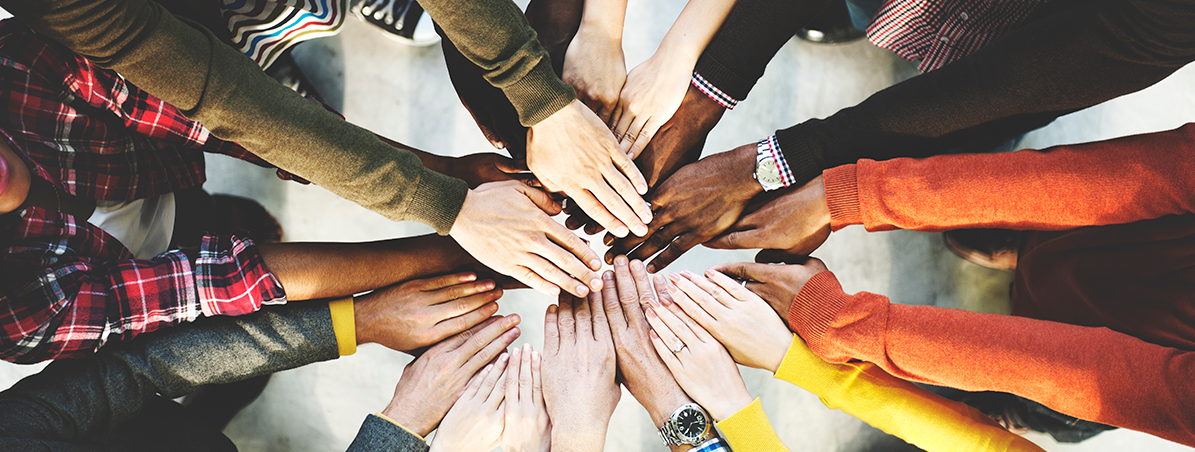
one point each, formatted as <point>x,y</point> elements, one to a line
<point>495,35</point>
<point>210,82</point>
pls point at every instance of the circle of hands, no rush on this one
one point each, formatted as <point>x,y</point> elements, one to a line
<point>669,343</point>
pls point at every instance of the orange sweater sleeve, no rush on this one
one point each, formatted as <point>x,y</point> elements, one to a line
<point>1109,182</point>
<point>1090,373</point>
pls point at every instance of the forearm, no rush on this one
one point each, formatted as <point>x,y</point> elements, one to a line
<point>603,19</point>
<point>214,84</point>
<point>78,400</point>
<point>692,31</point>
<point>1090,373</point>
<point>1066,61</point>
<point>587,438</point>
<point>324,270</point>
<point>1110,182</point>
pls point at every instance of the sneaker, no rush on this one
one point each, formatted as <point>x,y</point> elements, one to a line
<point>832,26</point>
<point>402,20</point>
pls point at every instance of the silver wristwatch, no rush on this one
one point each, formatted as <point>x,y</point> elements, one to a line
<point>767,169</point>
<point>689,424</point>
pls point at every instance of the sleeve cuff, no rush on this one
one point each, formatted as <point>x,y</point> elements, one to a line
<point>539,94</point>
<point>749,430</point>
<point>842,196</point>
<point>805,369</point>
<point>794,144</point>
<point>383,416</point>
<point>815,307</point>
<point>723,99</point>
<point>344,324</point>
<point>232,279</point>
<point>437,200</point>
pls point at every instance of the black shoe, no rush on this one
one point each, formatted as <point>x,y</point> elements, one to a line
<point>287,72</point>
<point>832,26</point>
<point>402,20</point>
<point>997,249</point>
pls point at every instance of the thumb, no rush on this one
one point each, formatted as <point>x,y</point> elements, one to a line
<point>541,199</point>
<point>510,166</point>
<point>745,271</point>
<point>735,240</point>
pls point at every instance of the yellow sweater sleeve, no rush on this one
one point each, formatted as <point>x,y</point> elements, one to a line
<point>748,430</point>
<point>897,407</point>
<point>344,325</point>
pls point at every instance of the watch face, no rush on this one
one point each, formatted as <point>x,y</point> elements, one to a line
<point>691,423</point>
<point>768,172</point>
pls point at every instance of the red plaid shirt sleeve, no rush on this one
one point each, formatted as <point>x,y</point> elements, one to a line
<point>72,305</point>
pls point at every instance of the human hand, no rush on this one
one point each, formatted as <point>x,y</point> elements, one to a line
<point>578,373</point>
<point>432,383</point>
<point>778,284</point>
<point>694,205</point>
<point>797,222</point>
<point>483,167</point>
<point>698,362</point>
<point>573,152</point>
<point>527,425</point>
<point>624,291</point>
<point>476,420</point>
<point>745,324</point>
<point>652,93</point>
<point>421,312</point>
<point>506,226</point>
<point>595,66</point>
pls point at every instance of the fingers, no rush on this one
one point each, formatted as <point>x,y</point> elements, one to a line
<point>674,323</point>
<point>463,322</point>
<point>711,293</point>
<point>566,321</point>
<point>597,212</point>
<point>546,270</point>
<point>494,382</point>
<point>510,166</point>
<point>623,122</point>
<point>440,282</point>
<point>662,282</point>
<point>626,164</point>
<point>738,240</point>
<point>611,300</point>
<point>524,378</point>
<point>614,202</point>
<point>552,330</point>
<point>537,386</point>
<point>733,288</point>
<point>515,369</point>
<point>601,326</point>
<point>692,300</point>
<point>662,349</point>
<point>541,199</point>
<point>442,297</point>
<point>772,256</point>
<point>745,271</point>
<point>672,343</point>
<point>584,316</point>
<point>532,279</point>
<point>678,247</point>
<point>658,240</point>
<point>475,382</point>
<point>490,350</point>
<point>632,133</point>
<point>581,250</point>
<point>644,137</point>
<point>634,311</point>
<point>455,342</point>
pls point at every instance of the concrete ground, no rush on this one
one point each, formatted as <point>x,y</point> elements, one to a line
<point>404,93</point>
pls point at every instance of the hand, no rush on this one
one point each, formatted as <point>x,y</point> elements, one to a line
<point>421,312</point>
<point>778,284</point>
<point>745,324</point>
<point>694,205</point>
<point>700,364</point>
<point>506,226</point>
<point>652,93</point>
<point>578,373</point>
<point>595,66</point>
<point>573,152</point>
<point>430,385</point>
<point>624,291</point>
<point>527,423</point>
<point>475,421</point>
<point>483,167</point>
<point>798,222</point>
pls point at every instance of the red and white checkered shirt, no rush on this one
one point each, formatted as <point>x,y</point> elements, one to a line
<point>939,32</point>
<point>66,286</point>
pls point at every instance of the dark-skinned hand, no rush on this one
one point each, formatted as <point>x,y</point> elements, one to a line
<point>695,205</point>
<point>776,283</point>
<point>797,222</point>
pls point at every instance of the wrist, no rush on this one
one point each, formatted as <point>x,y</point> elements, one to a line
<point>605,30</point>
<point>728,406</point>
<point>362,319</point>
<point>745,186</point>
<point>569,436</point>
<point>408,419</point>
<point>777,352</point>
<point>660,407</point>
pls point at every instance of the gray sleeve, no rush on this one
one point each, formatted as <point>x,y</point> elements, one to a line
<point>378,434</point>
<point>74,401</point>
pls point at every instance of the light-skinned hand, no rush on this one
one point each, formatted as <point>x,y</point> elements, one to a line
<point>578,373</point>
<point>431,384</point>
<point>797,222</point>
<point>696,204</point>
<point>624,292</point>
<point>778,284</point>
<point>652,93</point>
<point>421,312</point>
<point>595,66</point>
<point>508,227</point>
<point>573,152</point>
<point>476,420</point>
<point>527,424</point>
<point>698,361</point>
<point>745,324</point>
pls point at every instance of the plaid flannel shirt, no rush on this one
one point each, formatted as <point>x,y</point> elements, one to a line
<point>66,286</point>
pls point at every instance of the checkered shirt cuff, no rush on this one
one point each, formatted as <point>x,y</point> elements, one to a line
<point>713,445</point>
<point>772,146</point>
<point>713,92</point>
<point>232,279</point>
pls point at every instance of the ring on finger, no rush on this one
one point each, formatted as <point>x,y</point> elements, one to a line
<point>678,349</point>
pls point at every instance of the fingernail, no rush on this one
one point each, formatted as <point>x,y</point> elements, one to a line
<point>641,187</point>
<point>527,347</point>
<point>651,268</point>
<point>488,367</point>
<point>608,240</point>
<point>595,264</point>
<point>620,260</point>
<point>554,291</point>
<point>710,272</point>
<point>552,308</point>
<point>582,290</point>
<point>488,285</point>
<point>688,274</point>
<point>469,277</point>
<point>674,277</point>
<point>608,276</point>
<point>503,356</point>
<point>620,231</point>
<point>640,230</point>
<point>651,312</point>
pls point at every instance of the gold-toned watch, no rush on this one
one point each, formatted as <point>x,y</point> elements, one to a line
<point>767,169</point>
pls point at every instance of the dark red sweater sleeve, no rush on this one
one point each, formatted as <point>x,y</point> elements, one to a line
<point>1090,373</point>
<point>1117,181</point>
